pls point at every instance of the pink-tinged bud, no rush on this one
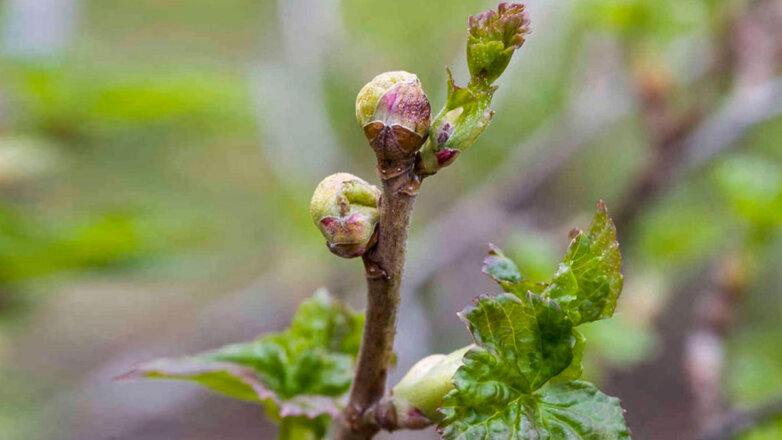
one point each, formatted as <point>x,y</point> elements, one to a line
<point>395,114</point>
<point>344,208</point>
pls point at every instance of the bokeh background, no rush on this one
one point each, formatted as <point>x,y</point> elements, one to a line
<point>157,159</point>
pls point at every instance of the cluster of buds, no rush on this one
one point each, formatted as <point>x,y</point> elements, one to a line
<point>345,210</point>
<point>395,115</point>
<point>394,112</point>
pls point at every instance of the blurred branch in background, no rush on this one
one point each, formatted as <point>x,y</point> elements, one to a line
<point>680,140</point>
<point>704,347</point>
<point>739,422</point>
<point>682,147</point>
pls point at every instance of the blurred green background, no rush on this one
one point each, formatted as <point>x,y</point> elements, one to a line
<point>157,159</point>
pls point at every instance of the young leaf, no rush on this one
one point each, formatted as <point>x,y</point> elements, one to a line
<point>588,282</point>
<point>519,380</point>
<point>303,371</point>
<point>521,343</point>
<point>492,399</point>
<point>505,272</point>
<point>500,268</point>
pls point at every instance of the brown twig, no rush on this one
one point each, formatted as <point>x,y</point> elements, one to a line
<point>383,264</point>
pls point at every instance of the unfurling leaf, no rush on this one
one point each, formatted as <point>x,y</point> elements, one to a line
<point>500,268</point>
<point>301,372</point>
<point>588,282</point>
<point>505,272</point>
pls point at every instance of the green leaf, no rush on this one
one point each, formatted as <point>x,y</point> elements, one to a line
<point>588,282</point>
<point>522,342</point>
<point>578,410</point>
<point>519,380</point>
<point>575,369</point>
<point>500,268</point>
<point>505,272</point>
<point>303,371</point>
<point>574,410</point>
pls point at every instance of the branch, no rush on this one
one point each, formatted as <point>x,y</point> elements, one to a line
<point>739,422</point>
<point>704,348</point>
<point>384,264</point>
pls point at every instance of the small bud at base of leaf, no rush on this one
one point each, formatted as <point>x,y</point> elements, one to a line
<point>423,388</point>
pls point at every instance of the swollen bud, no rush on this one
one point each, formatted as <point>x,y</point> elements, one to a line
<point>494,35</point>
<point>344,208</point>
<point>394,112</point>
<point>423,388</point>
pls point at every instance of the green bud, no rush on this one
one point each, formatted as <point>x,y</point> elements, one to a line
<point>394,112</point>
<point>494,35</point>
<point>422,389</point>
<point>344,208</point>
<point>465,116</point>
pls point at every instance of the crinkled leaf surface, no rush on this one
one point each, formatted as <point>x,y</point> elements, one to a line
<point>578,410</point>
<point>588,282</point>
<point>530,335</point>
<point>521,344</point>
<point>573,410</point>
<point>302,371</point>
